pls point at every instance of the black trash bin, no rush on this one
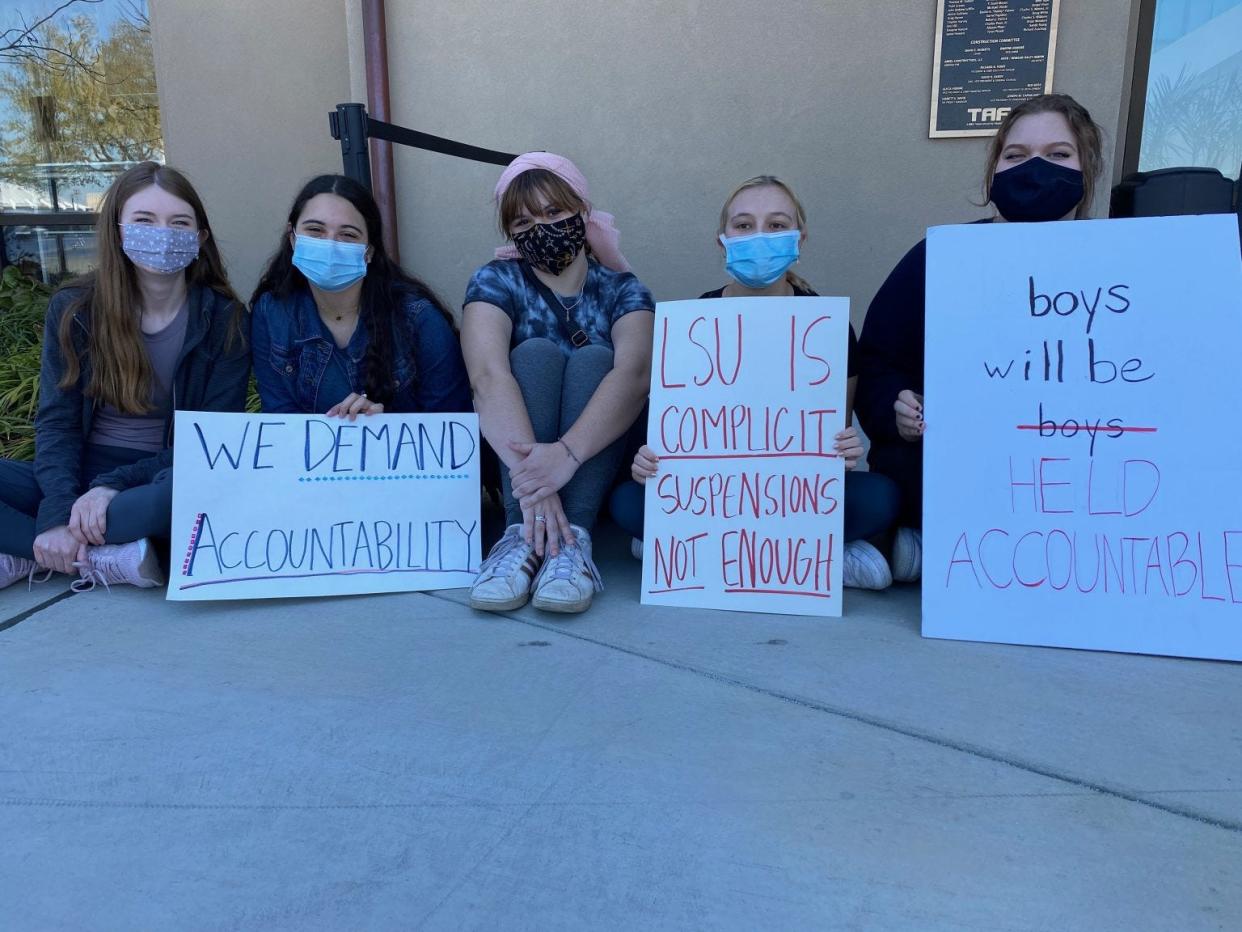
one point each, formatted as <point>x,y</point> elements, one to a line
<point>1171,192</point>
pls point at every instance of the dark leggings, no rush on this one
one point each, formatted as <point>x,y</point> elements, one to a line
<point>902,462</point>
<point>143,511</point>
<point>870,505</point>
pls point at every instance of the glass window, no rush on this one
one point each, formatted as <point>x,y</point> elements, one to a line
<point>78,106</point>
<point>1193,109</point>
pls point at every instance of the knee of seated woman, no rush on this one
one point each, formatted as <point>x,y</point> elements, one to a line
<point>592,356</point>
<point>538,351</point>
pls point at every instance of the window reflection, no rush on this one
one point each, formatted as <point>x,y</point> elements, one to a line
<point>78,106</point>
<point>1193,111</point>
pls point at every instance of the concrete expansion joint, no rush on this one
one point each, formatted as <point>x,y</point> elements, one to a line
<point>862,718</point>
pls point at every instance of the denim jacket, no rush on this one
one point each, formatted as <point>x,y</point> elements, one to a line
<point>300,369</point>
<point>211,375</point>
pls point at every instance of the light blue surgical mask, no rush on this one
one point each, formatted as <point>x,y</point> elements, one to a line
<point>329,264</point>
<point>760,259</point>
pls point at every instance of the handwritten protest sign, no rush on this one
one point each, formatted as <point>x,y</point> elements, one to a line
<point>1082,462</point>
<point>274,505</point>
<point>747,396</point>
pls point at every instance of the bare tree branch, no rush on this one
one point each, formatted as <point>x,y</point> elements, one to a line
<point>22,43</point>
<point>136,12</point>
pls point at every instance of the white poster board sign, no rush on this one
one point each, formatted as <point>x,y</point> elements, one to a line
<point>1082,462</point>
<point>747,396</point>
<point>278,505</point>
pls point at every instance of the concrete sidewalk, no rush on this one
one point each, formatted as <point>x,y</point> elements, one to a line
<point>394,762</point>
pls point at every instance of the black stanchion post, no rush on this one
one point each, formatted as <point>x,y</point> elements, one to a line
<point>349,125</point>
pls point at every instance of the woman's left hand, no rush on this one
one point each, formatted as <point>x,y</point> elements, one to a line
<point>353,405</point>
<point>545,469</point>
<point>88,520</point>
<point>849,447</point>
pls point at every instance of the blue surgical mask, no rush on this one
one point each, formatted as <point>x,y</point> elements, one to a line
<point>329,264</point>
<point>159,249</point>
<point>760,259</point>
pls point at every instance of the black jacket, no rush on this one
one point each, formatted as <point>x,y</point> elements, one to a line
<point>212,374</point>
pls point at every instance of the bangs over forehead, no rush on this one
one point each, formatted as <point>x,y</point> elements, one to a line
<point>533,190</point>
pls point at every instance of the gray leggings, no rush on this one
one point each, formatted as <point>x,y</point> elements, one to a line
<point>556,390</point>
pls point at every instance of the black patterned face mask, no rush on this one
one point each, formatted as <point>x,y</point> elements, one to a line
<point>551,247</point>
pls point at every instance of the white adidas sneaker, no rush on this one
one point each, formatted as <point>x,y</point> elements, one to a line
<point>569,580</point>
<point>505,577</point>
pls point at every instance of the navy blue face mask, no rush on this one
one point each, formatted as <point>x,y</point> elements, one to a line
<point>1036,191</point>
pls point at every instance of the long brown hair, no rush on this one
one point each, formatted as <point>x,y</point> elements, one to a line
<point>120,371</point>
<point>384,287</point>
<point>1088,137</point>
<point>768,181</point>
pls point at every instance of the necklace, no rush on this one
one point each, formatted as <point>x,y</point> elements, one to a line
<point>579,337</point>
<point>577,299</point>
<point>341,316</point>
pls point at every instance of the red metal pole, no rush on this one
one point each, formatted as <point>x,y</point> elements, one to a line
<point>383,177</point>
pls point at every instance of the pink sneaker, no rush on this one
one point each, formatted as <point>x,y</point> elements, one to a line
<point>135,564</point>
<point>14,568</point>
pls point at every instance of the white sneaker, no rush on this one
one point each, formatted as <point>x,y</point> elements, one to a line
<point>864,567</point>
<point>504,579</point>
<point>907,555</point>
<point>636,548</point>
<point>14,568</point>
<point>133,564</point>
<point>569,580</point>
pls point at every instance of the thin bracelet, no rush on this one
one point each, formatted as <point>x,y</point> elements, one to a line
<point>569,451</point>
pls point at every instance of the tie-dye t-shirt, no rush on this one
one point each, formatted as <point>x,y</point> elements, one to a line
<point>607,296</point>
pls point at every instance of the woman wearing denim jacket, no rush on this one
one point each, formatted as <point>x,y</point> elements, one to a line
<point>338,327</point>
<point>154,329</point>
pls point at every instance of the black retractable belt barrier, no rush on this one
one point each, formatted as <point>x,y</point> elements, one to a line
<point>351,125</point>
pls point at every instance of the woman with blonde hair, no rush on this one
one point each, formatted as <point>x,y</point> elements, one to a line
<point>153,329</point>
<point>761,231</point>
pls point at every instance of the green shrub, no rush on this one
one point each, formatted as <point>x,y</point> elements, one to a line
<point>23,306</point>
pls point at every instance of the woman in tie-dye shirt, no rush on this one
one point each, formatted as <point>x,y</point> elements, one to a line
<point>557,339</point>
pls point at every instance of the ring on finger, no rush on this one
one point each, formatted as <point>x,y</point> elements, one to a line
<point>540,519</point>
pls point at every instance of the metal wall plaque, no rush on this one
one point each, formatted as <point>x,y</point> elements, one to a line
<point>990,56</point>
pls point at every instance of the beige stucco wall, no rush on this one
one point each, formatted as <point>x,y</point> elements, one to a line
<point>245,88</point>
<point>665,105</point>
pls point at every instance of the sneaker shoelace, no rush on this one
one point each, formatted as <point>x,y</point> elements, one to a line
<point>89,580</point>
<point>505,557</point>
<point>31,577</point>
<point>572,560</point>
<point>93,574</point>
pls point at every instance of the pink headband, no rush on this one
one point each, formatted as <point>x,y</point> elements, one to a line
<point>601,234</point>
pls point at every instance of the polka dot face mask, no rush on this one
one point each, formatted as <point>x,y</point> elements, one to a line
<point>159,249</point>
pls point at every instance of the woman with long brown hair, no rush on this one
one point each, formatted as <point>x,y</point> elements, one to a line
<point>154,328</point>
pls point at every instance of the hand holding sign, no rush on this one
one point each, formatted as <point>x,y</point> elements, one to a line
<point>909,411</point>
<point>746,458</point>
<point>258,509</point>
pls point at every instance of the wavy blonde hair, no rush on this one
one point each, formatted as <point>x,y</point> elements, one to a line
<point>768,181</point>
